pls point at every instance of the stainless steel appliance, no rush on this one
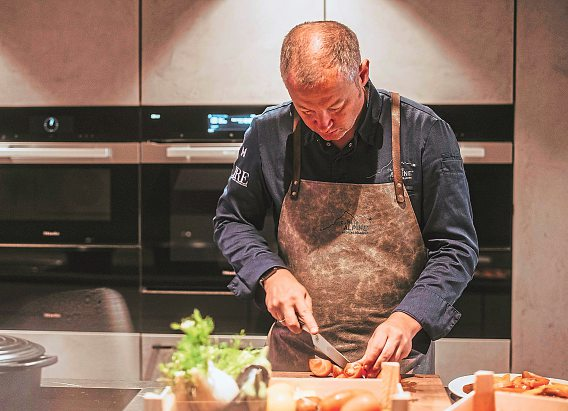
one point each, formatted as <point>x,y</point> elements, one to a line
<point>187,158</point>
<point>69,204</point>
<point>69,176</point>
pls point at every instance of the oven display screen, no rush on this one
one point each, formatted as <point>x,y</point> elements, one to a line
<point>228,122</point>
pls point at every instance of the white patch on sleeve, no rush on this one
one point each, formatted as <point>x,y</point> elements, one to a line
<point>240,176</point>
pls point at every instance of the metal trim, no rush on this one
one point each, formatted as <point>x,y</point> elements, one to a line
<point>69,153</point>
<point>82,246</point>
<point>184,292</point>
<point>485,152</point>
<point>189,153</point>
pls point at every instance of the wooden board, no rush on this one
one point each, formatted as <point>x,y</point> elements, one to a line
<point>428,392</point>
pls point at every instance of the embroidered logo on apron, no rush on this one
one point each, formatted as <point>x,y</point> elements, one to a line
<point>349,223</point>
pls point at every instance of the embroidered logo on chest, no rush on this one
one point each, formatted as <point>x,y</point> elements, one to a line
<point>407,170</point>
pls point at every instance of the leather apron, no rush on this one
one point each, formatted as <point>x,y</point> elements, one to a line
<point>356,248</point>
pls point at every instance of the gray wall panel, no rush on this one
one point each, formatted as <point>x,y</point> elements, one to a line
<point>540,226</point>
<point>436,52</point>
<point>68,53</point>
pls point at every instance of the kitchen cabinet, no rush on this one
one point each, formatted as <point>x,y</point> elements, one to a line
<point>435,52</point>
<point>69,53</point>
<point>217,51</point>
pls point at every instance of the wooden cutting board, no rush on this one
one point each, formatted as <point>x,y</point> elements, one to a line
<point>427,391</point>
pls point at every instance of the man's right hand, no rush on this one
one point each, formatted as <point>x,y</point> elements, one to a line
<point>288,301</point>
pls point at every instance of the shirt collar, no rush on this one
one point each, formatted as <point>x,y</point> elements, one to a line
<point>370,129</point>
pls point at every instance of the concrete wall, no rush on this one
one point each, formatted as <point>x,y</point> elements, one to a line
<point>436,52</point>
<point>540,223</point>
<point>68,53</point>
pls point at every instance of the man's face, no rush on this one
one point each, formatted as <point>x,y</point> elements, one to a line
<point>331,109</point>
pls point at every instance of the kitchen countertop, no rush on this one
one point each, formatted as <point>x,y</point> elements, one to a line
<point>107,395</point>
<point>111,395</point>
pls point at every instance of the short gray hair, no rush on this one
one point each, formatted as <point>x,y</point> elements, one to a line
<point>338,50</point>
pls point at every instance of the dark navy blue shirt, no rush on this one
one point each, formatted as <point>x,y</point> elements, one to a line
<point>433,174</point>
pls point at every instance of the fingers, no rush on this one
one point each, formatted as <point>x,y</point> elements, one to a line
<point>386,354</point>
<point>402,352</point>
<point>291,319</point>
<point>388,343</point>
<point>374,349</point>
<point>289,302</point>
<point>304,313</point>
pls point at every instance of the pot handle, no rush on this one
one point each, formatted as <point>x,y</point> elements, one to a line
<point>42,361</point>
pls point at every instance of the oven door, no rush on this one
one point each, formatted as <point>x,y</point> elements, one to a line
<point>182,267</point>
<point>486,302</point>
<point>60,288</point>
<point>69,193</point>
<point>489,171</point>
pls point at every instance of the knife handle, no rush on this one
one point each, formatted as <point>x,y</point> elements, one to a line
<point>303,325</point>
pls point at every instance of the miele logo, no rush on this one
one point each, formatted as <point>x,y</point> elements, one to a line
<point>46,233</point>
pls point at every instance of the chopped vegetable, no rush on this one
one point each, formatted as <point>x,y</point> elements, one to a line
<point>320,367</point>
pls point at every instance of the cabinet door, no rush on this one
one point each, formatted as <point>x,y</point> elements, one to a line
<point>436,52</point>
<point>69,53</point>
<point>217,51</point>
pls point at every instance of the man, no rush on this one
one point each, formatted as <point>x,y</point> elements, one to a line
<point>375,233</point>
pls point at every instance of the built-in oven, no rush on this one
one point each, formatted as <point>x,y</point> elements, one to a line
<point>69,218</point>
<point>485,135</point>
<point>187,158</point>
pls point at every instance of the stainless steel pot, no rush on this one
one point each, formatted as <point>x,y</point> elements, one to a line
<point>21,362</point>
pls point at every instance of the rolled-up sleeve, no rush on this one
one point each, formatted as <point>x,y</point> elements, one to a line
<point>448,233</point>
<point>240,216</point>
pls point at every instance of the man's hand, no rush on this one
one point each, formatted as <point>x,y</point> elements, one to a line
<point>391,341</point>
<point>288,301</point>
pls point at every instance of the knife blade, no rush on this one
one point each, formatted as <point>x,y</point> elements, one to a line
<point>324,347</point>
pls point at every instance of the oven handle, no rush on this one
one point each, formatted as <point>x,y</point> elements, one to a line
<point>184,153</point>
<point>189,152</point>
<point>486,152</point>
<point>53,153</point>
<point>183,292</point>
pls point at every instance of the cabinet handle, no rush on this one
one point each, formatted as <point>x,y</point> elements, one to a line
<point>472,152</point>
<point>41,153</point>
<point>203,152</point>
<point>486,152</point>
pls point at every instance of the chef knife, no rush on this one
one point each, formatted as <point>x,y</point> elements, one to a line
<point>324,347</point>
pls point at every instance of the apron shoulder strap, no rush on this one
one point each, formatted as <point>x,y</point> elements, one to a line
<point>297,142</point>
<point>397,173</point>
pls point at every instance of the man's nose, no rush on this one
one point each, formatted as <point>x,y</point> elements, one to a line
<point>324,121</point>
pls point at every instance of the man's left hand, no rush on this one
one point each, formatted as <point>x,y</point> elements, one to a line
<point>391,341</point>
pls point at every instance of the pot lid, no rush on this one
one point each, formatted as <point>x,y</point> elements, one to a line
<point>14,349</point>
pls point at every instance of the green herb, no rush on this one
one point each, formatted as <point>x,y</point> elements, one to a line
<point>196,349</point>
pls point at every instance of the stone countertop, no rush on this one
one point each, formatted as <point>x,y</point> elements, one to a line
<point>113,395</point>
<point>107,395</point>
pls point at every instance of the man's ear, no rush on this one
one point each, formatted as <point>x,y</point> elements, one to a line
<point>364,72</point>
